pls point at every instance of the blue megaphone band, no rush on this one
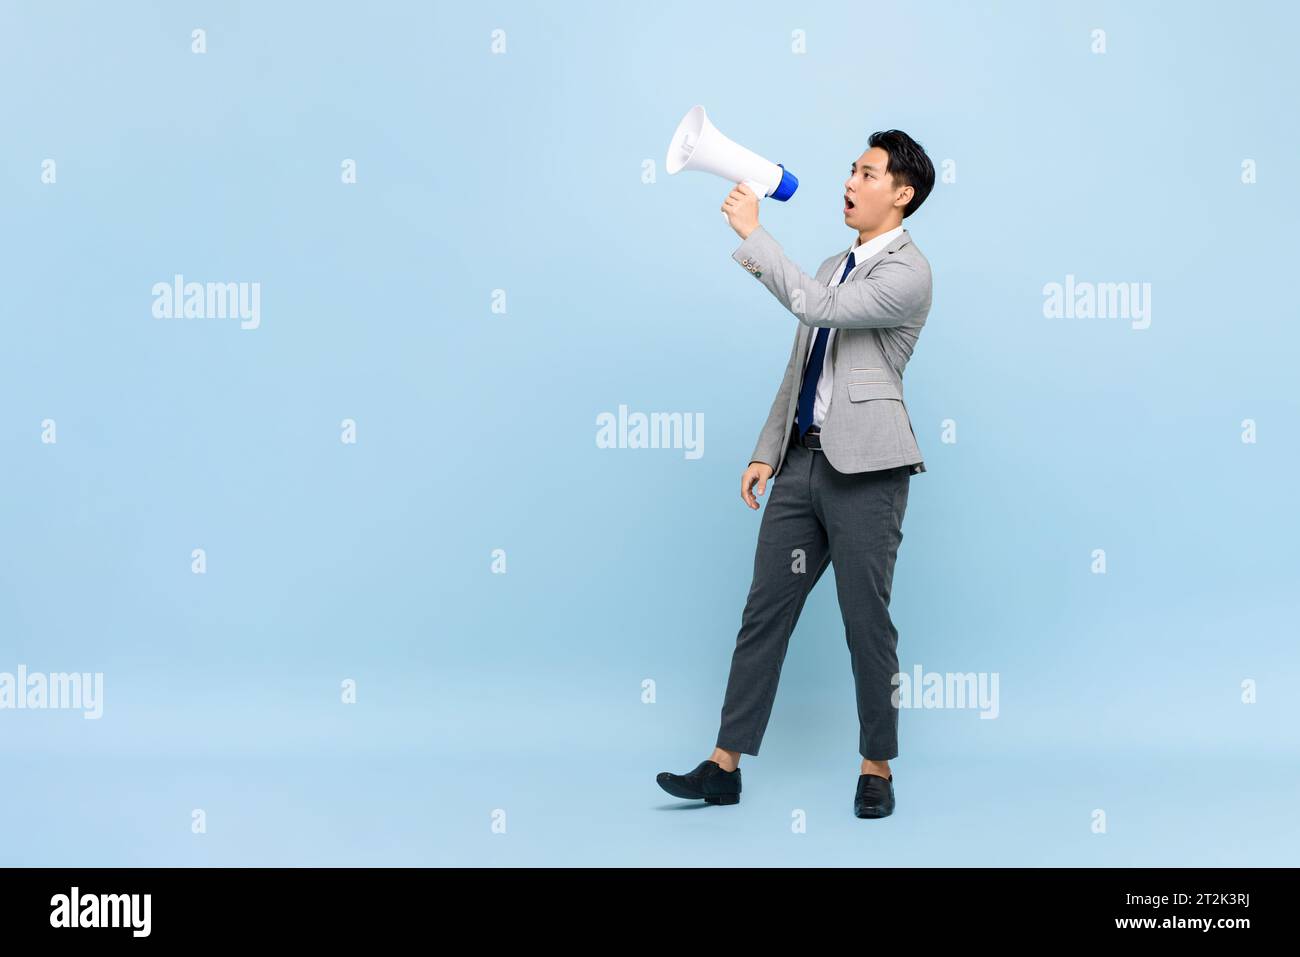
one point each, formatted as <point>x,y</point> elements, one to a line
<point>785,189</point>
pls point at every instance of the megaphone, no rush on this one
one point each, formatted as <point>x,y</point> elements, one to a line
<point>698,145</point>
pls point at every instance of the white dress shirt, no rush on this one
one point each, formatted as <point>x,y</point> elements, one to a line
<point>861,253</point>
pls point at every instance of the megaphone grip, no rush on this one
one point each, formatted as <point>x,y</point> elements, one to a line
<point>754,187</point>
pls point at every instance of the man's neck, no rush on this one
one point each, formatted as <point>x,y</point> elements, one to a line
<point>868,234</point>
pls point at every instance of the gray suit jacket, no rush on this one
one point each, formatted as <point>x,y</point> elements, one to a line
<point>879,311</point>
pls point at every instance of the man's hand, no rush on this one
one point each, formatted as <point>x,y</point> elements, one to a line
<point>758,472</point>
<point>741,207</point>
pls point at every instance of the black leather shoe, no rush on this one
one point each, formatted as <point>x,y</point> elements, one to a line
<point>707,781</point>
<point>874,797</point>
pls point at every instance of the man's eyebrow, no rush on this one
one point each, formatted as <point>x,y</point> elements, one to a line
<point>864,166</point>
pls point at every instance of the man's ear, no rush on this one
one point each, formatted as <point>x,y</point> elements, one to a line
<point>904,196</point>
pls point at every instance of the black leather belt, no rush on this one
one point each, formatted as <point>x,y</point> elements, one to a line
<point>812,439</point>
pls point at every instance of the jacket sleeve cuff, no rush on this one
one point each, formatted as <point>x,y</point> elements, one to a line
<point>755,252</point>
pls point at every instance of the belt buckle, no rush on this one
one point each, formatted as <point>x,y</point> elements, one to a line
<point>813,440</point>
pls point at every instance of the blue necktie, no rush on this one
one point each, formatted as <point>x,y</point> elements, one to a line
<point>808,393</point>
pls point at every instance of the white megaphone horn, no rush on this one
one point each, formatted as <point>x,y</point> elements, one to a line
<point>698,145</point>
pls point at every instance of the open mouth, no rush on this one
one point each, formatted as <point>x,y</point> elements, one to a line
<point>848,203</point>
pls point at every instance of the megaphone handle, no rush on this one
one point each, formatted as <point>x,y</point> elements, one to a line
<point>755,188</point>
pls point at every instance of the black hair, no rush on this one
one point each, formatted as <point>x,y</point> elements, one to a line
<point>908,164</point>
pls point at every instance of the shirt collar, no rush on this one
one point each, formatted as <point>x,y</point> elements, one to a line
<point>863,251</point>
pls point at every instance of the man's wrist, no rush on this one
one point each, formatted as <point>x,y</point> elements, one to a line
<point>746,238</point>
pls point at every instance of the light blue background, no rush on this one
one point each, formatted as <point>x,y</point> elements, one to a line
<point>522,691</point>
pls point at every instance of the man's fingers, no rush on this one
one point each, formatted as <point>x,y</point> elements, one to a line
<point>746,481</point>
<point>747,484</point>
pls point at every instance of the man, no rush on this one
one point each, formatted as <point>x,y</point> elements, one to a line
<point>841,441</point>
